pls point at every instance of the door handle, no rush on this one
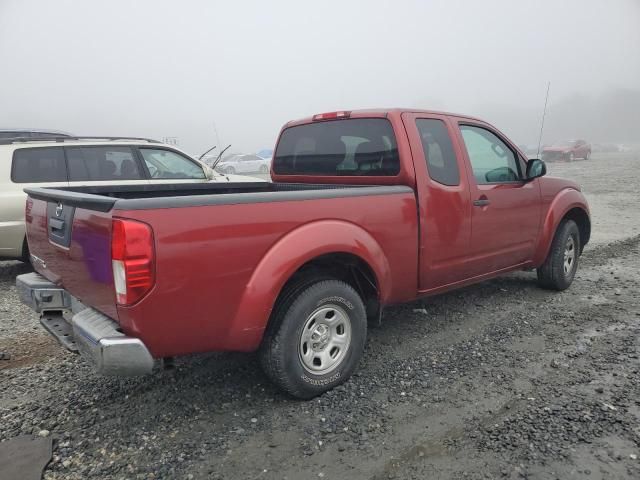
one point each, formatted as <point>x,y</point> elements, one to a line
<point>483,202</point>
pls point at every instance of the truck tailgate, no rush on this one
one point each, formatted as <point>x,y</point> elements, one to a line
<point>71,246</point>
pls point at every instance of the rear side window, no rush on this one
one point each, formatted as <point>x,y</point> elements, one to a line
<point>438,151</point>
<point>355,147</point>
<point>38,165</point>
<point>102,163</point>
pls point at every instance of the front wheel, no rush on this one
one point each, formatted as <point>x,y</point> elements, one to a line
<point>315,338</point>
<point>559,268</point>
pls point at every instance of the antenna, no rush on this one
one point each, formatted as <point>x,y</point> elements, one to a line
<point>544,113</point>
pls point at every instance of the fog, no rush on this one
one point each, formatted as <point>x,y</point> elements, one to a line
<point>234,72</point>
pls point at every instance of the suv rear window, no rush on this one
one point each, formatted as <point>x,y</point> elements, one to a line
<point>354,147</point>
<point>37,165</point>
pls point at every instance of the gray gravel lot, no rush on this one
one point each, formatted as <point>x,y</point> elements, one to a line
<point>499,380</point>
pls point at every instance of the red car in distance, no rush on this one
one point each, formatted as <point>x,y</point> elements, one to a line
<point>567,150</point>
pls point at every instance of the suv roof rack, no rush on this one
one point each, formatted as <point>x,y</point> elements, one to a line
<point>63,139</point>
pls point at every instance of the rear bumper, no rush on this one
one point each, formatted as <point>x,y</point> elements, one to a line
<point>97,337</point>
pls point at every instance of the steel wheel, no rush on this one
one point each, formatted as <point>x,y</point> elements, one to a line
<point>325,339</point>
<point>569,255</point>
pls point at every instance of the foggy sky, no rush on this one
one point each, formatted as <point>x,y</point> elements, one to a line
<point>185,68</point>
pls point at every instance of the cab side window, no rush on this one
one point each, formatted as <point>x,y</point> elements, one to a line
<point>491,159</point>
<point>438,151</point>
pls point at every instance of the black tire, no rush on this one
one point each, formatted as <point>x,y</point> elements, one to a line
<point>280,350</point>
<point>552,273</point>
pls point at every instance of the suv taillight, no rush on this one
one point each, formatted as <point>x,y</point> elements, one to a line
<point>132,258</point>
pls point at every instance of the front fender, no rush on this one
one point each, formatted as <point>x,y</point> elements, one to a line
<point>285,257</point>
<point>562,203</point>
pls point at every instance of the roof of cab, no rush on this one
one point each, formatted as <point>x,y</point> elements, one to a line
<point>381,112</point>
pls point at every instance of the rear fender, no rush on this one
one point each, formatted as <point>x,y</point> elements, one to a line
<point>287,256</point>
<point>563,202</point>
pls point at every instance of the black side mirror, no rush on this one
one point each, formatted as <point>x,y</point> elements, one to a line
<point>536,168</point>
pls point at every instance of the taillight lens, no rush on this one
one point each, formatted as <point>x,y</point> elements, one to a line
<point>132,259</point>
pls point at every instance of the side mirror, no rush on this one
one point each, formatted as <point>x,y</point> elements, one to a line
<point>536,168</point>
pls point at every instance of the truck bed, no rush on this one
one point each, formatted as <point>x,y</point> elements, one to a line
<point>220,251</point>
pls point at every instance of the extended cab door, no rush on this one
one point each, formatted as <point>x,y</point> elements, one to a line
<point>443,200</point>
<point>505,208</point>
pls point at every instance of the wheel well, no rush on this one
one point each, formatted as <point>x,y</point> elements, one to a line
<point>347,267</point>
<point>581,218</point>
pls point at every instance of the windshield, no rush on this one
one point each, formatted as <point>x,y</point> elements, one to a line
<point>358,147</point>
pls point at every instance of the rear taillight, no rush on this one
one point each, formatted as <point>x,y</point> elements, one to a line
<point>132,258</point>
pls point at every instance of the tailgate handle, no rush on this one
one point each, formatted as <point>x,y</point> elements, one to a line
<point>60,221</point>
<point>56,224</point>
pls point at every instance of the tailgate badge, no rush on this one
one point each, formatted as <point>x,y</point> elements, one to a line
<point>59,209</point>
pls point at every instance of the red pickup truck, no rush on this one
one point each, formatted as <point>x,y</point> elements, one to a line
<point>366,209</point>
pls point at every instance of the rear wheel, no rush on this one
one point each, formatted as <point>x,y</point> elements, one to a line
<point>315,338</point>
<point>559,268</point>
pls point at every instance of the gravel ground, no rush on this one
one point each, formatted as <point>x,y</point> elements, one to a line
<point>499,380</point>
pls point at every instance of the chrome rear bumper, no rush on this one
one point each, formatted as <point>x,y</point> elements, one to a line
<point>96,336</point>
<point>40,294</point>
<point>111,351</point>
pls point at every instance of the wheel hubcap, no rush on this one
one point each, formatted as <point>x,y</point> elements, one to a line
<point>325,339</point>
<point>569,255</point>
